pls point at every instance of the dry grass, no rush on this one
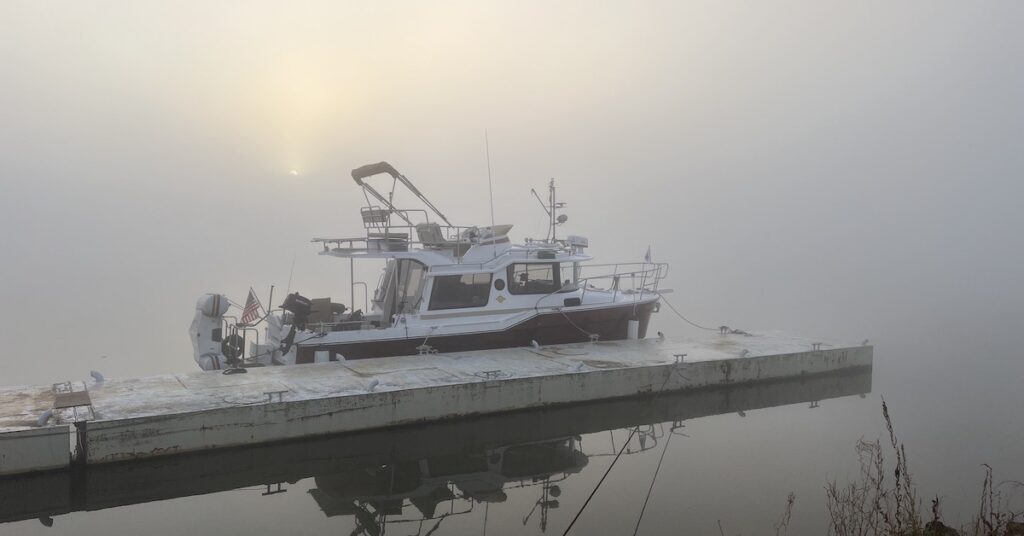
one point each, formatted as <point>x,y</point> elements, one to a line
<point>872,506</point>
<point>782,527</point>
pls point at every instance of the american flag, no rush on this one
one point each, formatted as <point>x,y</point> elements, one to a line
<point>252,308</point>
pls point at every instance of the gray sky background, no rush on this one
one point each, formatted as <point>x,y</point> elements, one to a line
<point>842,169</point>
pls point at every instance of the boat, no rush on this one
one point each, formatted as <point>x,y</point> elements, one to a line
<point>442,288</point>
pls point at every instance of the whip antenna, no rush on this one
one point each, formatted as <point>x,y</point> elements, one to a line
<point>490,184</point>
<point>290,273</point>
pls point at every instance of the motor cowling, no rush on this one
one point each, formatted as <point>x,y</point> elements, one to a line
<point>213,305</point>
<point>206,331</point>
<point>300,307</point>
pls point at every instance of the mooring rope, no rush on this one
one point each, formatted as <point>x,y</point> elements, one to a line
<point>583,331</point>
<point>599,482</point>
<point>616,459</point>
<point>650,489</point>
<point>680,315</point>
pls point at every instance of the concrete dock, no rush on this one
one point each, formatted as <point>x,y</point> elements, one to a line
<point>88,422</point>
<point>55,493</point>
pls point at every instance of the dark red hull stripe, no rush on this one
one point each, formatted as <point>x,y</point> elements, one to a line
<point>610,324</point>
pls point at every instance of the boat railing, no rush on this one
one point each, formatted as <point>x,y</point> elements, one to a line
<point>376,217</point>
<point>467,503</point>
<point>397,230</point>
<point>366,295</point>
<point>646,437</point>
<point>628,278</point>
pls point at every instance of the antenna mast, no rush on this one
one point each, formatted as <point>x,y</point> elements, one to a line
<point>551,213</point>
<point>490,184</point>
<point>551,208</point>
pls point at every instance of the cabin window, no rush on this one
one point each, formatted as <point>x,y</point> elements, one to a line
<point>569,275</point>
<point>400,288</point>
<point>410,285</point>
<point>460,291</point>
<point>533,278</point>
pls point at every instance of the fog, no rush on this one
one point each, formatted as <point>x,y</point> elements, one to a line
<point>842,170</point>
<point>833,169</point>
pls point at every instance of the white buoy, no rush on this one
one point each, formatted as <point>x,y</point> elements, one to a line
<point>42,420</point>
<point>633,330</point>
<point>96,376</point>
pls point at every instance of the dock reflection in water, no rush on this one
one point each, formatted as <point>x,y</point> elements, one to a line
<point>414,476</point>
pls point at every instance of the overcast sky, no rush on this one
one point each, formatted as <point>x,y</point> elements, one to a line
<point>830,168</point>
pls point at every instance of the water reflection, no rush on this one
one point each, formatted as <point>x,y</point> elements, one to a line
<point>417,477</point>
<point>432,489</point>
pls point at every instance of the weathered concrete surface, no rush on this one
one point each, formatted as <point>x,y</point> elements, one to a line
<point>160,415</point>
<point>111,485</point>
<point>34,450</point>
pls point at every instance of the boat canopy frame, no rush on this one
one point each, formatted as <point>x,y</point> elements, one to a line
<point>369,170</point>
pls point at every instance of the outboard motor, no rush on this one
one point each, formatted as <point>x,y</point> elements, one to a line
<point>206,331</point>
<point>300,307</point>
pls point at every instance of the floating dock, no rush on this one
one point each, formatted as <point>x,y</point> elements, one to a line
<point>340,463</point>
<point>89,422</point>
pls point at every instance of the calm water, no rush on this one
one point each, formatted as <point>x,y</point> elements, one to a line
<point>730,456</point>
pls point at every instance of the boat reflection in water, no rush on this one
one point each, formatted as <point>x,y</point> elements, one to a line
<point>420,475</point>
<point>447,485</point>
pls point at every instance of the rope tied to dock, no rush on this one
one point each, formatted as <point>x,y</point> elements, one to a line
<point>725,330</point>
<point>680,315</point>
